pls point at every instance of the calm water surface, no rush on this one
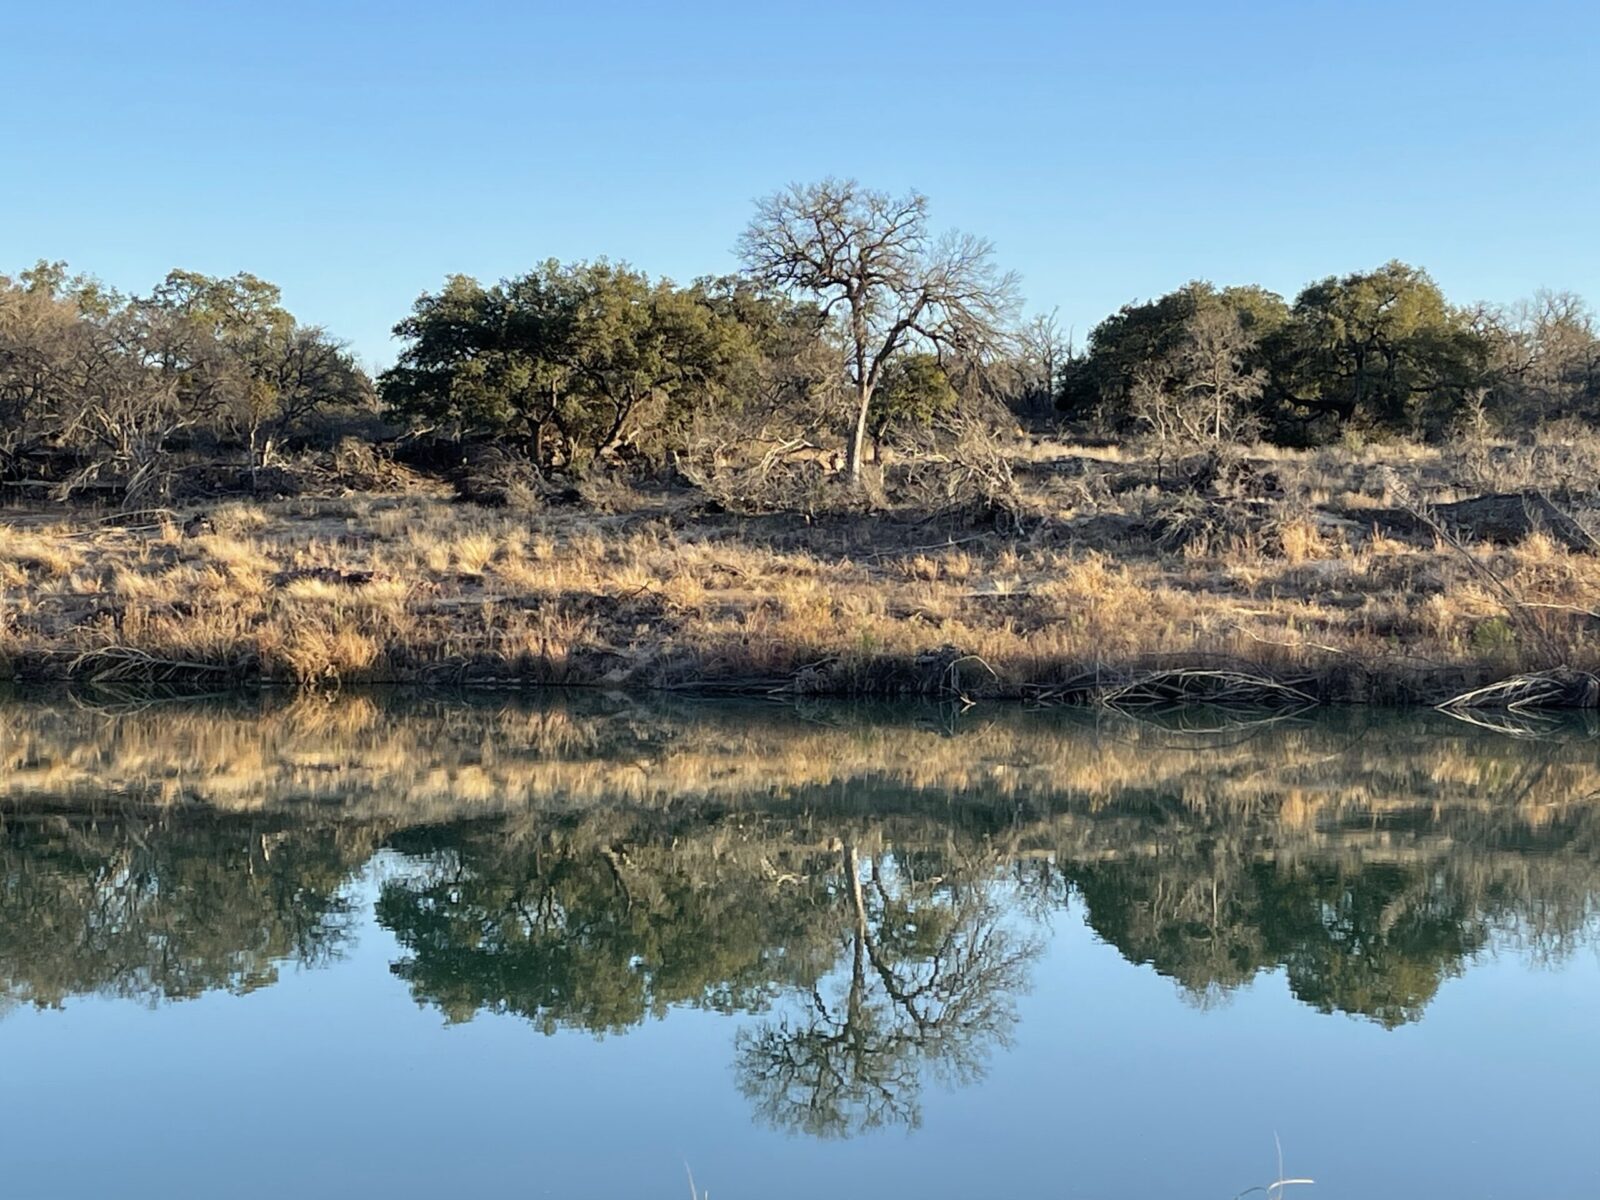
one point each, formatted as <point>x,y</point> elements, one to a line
<point>372,947</point>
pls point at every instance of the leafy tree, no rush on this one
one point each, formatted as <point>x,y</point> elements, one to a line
<point>913,391</point>
<point>1377,350</point>
<point>1190,363</point>
<point>1374,940</point>
<point>236,338</point>
<point>794,372</point>
<point>107,382</point>
<point>871,262</point>
<point>1204,390</point>
<point>593,354</point>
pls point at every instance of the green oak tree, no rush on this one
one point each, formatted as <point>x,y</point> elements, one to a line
<point>1195,360</point>
<point>1374,350</point>
<point>574,361</point>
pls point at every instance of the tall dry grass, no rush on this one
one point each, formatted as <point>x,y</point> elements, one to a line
<point>402,588</point>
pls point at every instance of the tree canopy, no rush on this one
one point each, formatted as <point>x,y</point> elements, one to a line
<point>108,383</point>
<point>872,263</point>
<point>1377,351</point>
<point>575,360</point>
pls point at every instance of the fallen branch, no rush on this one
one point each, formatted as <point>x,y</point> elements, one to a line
<point>1218,688</point>
<point>1562,687</point>
<point>127,664</point>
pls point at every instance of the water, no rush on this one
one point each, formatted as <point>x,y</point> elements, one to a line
<point>570,947</point>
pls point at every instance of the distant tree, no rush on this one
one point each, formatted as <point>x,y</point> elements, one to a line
<point>593,353</point>
<point>1378,350</point>
<point>1544,357</point>
<point>241,348</point>
<point>106,382</point>
<point>1178,363</point>
<point>1043,351</point>
<point>871,262</point>
<point>46,350</point>
<point>794,375</point>
<point>1204,390</point>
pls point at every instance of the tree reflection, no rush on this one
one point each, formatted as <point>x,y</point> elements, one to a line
<point>928,987</point>
<point>883,974</point>
<point>874,926</point>
<point>1374,940</point>
<point>151,909</point>
<point>577,932</point>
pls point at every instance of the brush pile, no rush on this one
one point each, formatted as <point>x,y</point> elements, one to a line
<point>1560,688</point>
<point>1216,688</point>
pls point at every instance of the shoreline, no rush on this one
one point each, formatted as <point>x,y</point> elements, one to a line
<point>1187,682</point>
<point>1104,581</point>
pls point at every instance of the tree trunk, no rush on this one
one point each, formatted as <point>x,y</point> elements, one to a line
<point>255,457</point>
<point>858,437</point>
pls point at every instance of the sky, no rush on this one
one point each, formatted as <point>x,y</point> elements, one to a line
<point>356,154</point>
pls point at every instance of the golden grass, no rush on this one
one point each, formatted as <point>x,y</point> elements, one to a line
<point>411,587</point>
<point>319,653</point>
<point>48,553</point>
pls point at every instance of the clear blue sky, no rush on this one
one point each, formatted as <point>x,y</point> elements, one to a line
<point>356,153</point>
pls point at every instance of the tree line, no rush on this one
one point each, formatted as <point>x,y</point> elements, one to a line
<point>1378,352</point>
<point>96,385</point>
<point>851,321</point>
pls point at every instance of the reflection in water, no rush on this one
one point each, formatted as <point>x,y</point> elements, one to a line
<point>927,984</point>
<point>150,908</point>
<point>870,886</point>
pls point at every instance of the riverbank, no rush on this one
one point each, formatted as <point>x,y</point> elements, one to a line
<point>1343,575</point>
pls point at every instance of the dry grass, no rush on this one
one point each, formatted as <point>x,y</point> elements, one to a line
<point>653,592</point>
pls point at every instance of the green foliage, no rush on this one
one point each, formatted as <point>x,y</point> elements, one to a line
<point>573,934</point>
<point>144,911</point>
<point>1141,339</point>
<point>1493,635</point>
<point>1378,350</point>
<point>593,353</point>
<point>107,382</point>
<point>267,370</point>
<point>874,922</point>
<point>913,391</point>
<point>1373,941</point>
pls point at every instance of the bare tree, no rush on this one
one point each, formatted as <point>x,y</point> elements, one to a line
<point>146,378</point>
<point>1203,390</point>
<point>1544,355</point>
<point>872,264</point>
<point>1216,372</point>
<point>294,374</point>
<point>1044,348</point>
<point>99,385</point>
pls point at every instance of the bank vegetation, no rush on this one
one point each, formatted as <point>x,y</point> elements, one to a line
<point>852,467</point>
